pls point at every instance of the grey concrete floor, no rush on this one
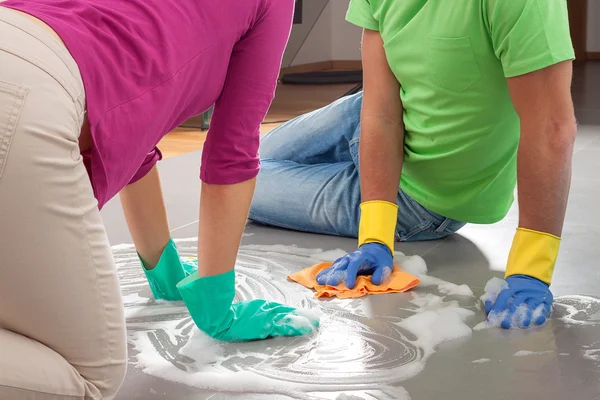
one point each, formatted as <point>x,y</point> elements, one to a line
<point>562,370</point>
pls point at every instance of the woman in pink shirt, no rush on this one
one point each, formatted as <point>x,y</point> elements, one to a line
<point>87,90</point>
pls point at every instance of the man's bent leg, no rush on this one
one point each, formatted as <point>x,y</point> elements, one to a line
<point>321,198</point>
<point>309,180</point>
<point>321,136</point>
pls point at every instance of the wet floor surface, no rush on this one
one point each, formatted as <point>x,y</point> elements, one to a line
<point>361,350</point>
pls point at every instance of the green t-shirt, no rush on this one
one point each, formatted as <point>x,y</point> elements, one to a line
<point>452,58</point>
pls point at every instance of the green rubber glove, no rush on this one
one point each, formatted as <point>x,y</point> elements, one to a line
<point>210,303</point>
<point>169,271</point>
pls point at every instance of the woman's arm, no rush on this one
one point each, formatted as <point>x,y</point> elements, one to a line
<point>230,160</point>
<point>229,167</point>
<point>146,217</point>
<point>223,214</point>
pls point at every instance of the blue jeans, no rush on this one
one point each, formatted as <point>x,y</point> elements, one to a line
<point>309,179</point>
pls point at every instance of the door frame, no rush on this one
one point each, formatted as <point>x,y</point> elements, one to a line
<point>578,17</point>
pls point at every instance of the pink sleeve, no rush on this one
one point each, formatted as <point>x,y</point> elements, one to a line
<point>231,150</point>
<point>149,162</point>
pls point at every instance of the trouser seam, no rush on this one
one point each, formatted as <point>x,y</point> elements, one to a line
<point>443,226</point>
<point>417,230</point>
<point>12,120</point>
<point>102,300</point>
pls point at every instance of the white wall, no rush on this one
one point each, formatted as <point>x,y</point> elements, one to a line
<point>331,36</point>
<point>317,46</point>
<point>345,37</point>
<point>593,26</point>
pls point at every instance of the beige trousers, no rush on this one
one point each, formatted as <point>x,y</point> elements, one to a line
<point>62,329</point>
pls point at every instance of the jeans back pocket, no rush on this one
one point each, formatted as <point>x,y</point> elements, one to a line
<point>452,63</point>
<point>12,98</point>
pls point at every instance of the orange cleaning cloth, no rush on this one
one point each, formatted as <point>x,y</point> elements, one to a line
<point>400,281</point>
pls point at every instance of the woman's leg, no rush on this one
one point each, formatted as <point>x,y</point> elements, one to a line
<point>62,330</point>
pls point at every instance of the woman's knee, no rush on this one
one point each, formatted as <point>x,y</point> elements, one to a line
<point>28,367</point>
<point>114,378</point>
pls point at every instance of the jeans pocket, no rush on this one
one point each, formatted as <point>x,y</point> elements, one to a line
<point>12,98</point>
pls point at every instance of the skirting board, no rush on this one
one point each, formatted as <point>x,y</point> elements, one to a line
<point>592,55</point>
<point>323,66</point>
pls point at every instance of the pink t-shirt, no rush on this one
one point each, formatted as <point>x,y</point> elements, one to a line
<point>148,65</point>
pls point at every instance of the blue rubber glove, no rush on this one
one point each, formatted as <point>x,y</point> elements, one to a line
<point>369,259</point>
<point>525,302</point>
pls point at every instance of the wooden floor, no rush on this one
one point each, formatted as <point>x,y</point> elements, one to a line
<point>290,101</point>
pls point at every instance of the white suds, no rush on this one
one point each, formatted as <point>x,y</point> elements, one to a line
<point>455,290</point>
<point>593,354</point>
<point>412,264</point>
<point>579,309</point>
<point>396,394</point>
<point>122,246</point>
<point>482,325</point>
<point>416,265</point>
<point>492,289</point>
<point>526,353</point>
<point>202,348</point>
<point>436,321</point>
<point>169,346</point>
<point>209,376</point>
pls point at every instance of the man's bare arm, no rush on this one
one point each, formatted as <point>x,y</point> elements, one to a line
<point>548,128</point>
<point>382,131</point>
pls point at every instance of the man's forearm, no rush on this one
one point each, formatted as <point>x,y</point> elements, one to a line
<point>223,214</point>
<point>548,129</point>
<point>381,156</point>
<point>381,128</point>
<point>146,217</point>
<point>544,177</point>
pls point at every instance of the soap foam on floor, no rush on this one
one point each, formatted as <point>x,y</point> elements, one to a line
<point>393,394</point>
<point>592,354</point>
<point>481,361</point>
<point>416,265</point>
<point>437,321</point>
<point>202,348</point>
<point>526,353</point>
<point>172,348</point>
<point>491,291</point>
<point>577,310</point>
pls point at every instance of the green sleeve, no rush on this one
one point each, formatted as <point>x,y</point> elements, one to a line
<point>529,35</point>
<point>361,14</point>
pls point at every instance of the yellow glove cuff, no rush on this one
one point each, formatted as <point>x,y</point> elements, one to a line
<point>533,253</point>
<point>378,223</point>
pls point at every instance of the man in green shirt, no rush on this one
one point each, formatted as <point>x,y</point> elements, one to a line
<point>461,100</point>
